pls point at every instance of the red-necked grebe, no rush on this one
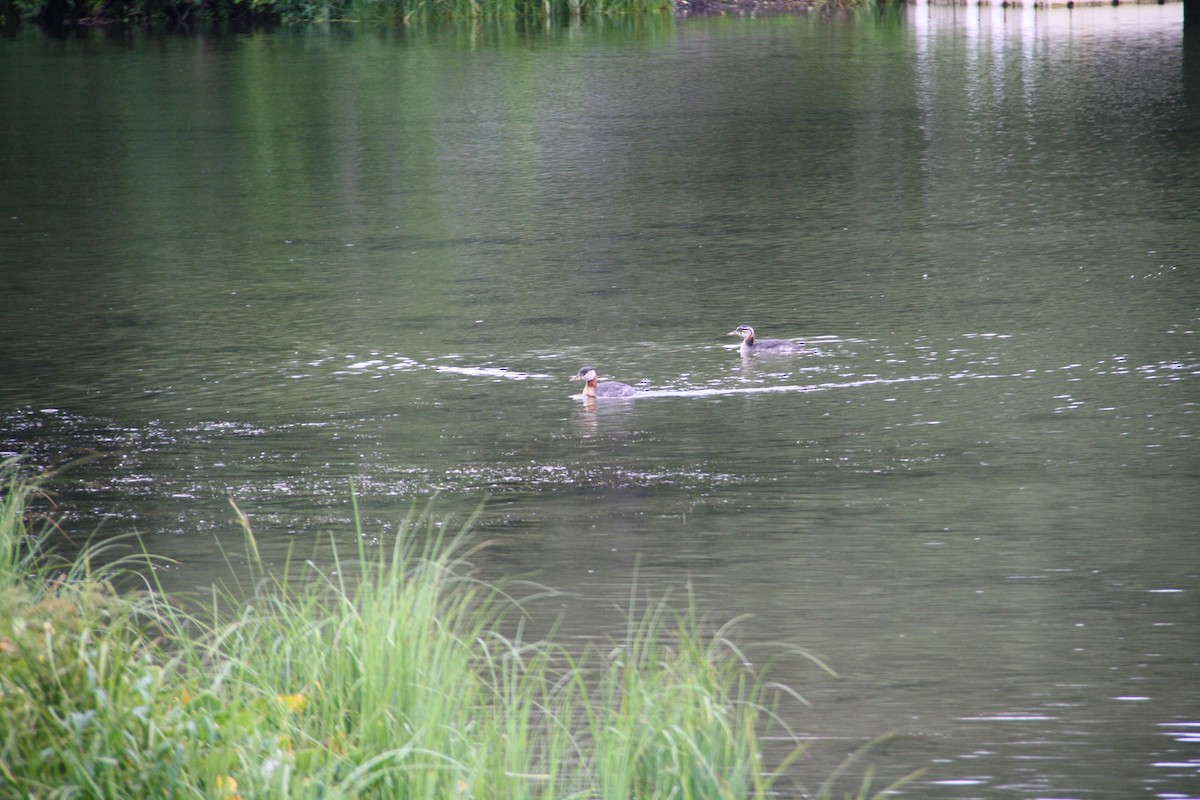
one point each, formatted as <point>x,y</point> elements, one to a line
<point>607,389</point>
<point>752,345</point>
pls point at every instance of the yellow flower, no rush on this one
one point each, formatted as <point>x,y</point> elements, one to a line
<point>185,697</point>
<point>227,788</point>
<point>293,702</point>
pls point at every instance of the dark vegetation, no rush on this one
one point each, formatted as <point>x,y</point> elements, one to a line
<point>185,14</point>
<point>191,12</point>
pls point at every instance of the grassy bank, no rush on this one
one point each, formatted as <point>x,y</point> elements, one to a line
<point>392,674</point>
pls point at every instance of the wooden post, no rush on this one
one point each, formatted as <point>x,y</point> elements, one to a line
<point>1191,13</point>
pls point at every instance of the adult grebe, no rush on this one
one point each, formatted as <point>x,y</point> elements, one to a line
<point>607,389</point>
<point>766,346</point>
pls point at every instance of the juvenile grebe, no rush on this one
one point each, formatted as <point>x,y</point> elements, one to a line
<point>607,389</point>
<point>751,345</point>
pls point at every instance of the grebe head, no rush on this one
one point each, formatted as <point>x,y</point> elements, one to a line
<point>744,331</point>
<point>585,374</point>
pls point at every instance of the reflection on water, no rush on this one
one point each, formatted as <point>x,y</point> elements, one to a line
<point>972,491</point>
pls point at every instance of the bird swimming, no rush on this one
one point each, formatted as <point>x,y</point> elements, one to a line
<point>606,389</point>
<point>765,346</point>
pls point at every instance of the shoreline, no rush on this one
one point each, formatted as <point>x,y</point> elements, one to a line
<point>701,8</point>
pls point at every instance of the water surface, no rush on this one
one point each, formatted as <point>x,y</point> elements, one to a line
<point>262,267</point>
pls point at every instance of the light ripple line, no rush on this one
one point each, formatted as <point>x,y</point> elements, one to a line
<point>812,387</point>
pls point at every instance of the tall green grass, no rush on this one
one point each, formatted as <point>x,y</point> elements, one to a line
<point>389,673</point>
<point>19,549</point>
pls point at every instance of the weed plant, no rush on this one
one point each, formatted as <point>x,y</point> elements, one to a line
<point>19,555</point>
<point>388,674</point>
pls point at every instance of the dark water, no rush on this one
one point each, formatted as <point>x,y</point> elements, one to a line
<point>263,266</point>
